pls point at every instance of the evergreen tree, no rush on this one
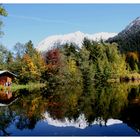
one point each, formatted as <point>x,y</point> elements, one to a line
<point>29,49</point>
<point>2,13</point>
<point>19,50</point>
<point>3,56</point>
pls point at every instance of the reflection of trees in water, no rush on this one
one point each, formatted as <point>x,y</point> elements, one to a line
<point>63,101</point>
<point>25,113</point>
<point>28,110</point>
<point>104,102</point>
<point>96,102</point>
<point>6,118</point>
<point>6,114</point>
<point>23,122</point>
<point>131,113</point>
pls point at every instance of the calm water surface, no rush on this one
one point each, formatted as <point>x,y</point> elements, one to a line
<point>72,110</point>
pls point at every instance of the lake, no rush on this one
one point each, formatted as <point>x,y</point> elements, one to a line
<point>72,110</point>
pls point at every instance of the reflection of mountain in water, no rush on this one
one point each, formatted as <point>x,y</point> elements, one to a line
<point>80,122</point>
<point>102,105</point>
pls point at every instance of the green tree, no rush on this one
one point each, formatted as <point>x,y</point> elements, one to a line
<point>132,58</point>
<point>3,56</point>
<point>2,13</point>
<point>19,50</point>
<point>103,60</point>
<point>9,61</point>
<point>29,48</point>
<point>93,48</point>
<point>31,65</point>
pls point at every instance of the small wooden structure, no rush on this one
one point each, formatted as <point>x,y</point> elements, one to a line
<point>6,77</point>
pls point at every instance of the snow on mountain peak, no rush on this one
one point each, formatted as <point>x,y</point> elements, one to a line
<point>135,22</point>
<point>76,38</point>
<point>137,19</point>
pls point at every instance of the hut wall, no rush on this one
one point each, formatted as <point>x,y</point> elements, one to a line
<point>3,80</point>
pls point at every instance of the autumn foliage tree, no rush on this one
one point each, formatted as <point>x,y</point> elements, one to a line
<point>29,71</point>
<point>30,62</point>
<point>132,58</point>
<point>52,59</point>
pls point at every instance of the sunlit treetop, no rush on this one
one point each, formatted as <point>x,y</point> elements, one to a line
<point>3,12</point>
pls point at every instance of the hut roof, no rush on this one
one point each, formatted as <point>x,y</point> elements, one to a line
<point>6,71</point>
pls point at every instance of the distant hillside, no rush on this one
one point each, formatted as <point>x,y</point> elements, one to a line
<point>129,38</point>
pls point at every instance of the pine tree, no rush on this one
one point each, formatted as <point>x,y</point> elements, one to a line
<point>3,12</point>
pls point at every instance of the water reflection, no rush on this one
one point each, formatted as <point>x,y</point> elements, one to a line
<point>71,106</point>
<point>131,113</point>
<point>99,102</point>
<point>80,122</point>
<point>6,97</point>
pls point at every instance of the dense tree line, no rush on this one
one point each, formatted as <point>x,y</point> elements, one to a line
<point>94,61</point>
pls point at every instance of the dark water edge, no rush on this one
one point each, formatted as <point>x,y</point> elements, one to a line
<point>72,110</point>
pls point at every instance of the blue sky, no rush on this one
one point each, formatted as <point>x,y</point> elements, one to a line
<point>37,21</point>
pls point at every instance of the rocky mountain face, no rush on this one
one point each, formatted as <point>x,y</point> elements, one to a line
<point>75,38</point>
<point>129,38</point>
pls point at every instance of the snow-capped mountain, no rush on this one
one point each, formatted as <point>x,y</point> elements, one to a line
<point>135,23</point>
<point>132,28</point>
<point>75,38</point>
<point>129,38</point>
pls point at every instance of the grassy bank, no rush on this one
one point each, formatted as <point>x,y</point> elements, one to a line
<point>29,86</point>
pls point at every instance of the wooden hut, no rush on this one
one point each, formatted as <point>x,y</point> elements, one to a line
<point>6,77</point>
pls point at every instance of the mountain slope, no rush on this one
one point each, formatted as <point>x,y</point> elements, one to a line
<point>129,38</point>
<point>75,38</point>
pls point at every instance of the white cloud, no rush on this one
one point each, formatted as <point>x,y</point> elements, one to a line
<point>45,19</point>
